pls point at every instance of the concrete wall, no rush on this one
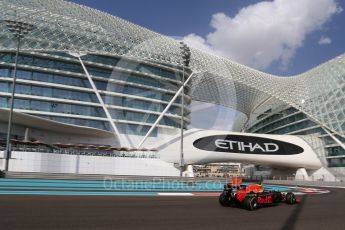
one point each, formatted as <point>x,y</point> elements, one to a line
<point>2,160</point>
<point>63,163</point>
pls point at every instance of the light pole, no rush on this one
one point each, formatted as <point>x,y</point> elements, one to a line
<point>186,59</point>
<point>19,30</point>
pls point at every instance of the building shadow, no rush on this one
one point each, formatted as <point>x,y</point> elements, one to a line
<point>290,223</point>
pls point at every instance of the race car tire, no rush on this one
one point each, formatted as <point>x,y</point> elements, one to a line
<point>290,198</point>
<point>224,200</point>
<point>250,203</point>
<point>276,198</point>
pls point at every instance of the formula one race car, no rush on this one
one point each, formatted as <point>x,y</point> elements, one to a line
<point>252,196</point>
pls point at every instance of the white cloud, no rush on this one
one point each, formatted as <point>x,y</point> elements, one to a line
<point>325,40</point>
<point>198,42</point>
<point>265,32</point>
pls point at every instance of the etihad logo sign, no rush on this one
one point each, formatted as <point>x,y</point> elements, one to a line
<point>246,145</point>
<point>249,147</point>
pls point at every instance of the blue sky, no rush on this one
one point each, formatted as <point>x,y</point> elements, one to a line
<point>283,37</point>
<point>181,18</point>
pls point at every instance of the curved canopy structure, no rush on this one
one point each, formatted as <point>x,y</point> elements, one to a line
<point>62,26</point>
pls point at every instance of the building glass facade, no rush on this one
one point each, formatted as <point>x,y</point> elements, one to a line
<point>53,86</point>
<point>291,121</point>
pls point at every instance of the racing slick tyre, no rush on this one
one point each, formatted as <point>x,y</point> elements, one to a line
<point>277,198</point>
<point>290,198</point>
<point>250,203</point>
<point>224,200</point>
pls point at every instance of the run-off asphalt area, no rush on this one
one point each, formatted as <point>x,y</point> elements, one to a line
<point>326,211</point>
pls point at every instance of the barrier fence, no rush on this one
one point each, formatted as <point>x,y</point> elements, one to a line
<point>306,183</point>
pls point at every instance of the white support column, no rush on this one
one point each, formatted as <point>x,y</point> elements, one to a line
<point>26,134</point>
<point>301,174</point>
<point>165,110</point>
<point>189,171</point>
<point>110,119</point>
<point>334,138</point>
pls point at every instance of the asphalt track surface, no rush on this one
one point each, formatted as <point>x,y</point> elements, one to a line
<point>324,211</point>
